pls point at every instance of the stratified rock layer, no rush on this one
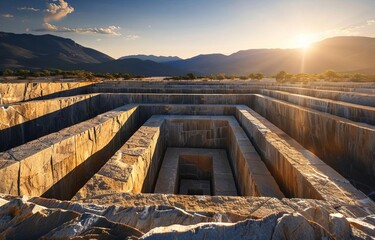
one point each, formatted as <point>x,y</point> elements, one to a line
<point>22,91</point>
<point>271,155</point>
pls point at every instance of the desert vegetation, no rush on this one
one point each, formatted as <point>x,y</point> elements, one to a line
<point>329,75</point>
<point>85,75</point>
<point>285,77</point>
<point>281,77</point>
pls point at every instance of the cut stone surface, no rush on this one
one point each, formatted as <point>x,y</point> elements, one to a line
<point>17,91</point>
<point>61,157</point>
<point>140,159</point>
<point>221,178</point>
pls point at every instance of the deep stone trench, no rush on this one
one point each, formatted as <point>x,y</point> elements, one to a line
<point>136,162</point>
<point>175,134</point>
<point>195,175</point>
<point>194,135</point>
<point>344,145</point>
<point>196,171</point>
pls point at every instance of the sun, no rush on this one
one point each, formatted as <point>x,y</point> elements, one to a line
<point>304,41</point>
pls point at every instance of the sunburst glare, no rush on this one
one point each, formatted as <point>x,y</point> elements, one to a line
<point>304,41</point>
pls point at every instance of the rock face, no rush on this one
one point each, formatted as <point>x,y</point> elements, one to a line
<point>55,163</point>
<point>276,226</point>
<point>230,160</point>
<point>52,219</point>
<point>126,171</point>
<point>18,92</point>
<point>24,122</point>
<point>337,141</point>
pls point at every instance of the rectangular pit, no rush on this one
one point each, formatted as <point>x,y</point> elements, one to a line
<point>215,132</point>
<point>210,165</point>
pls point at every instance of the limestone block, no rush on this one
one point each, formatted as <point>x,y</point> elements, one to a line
<point>127,169</point>
<point>290,166</point>
<point>276,226</point>
<point>35,174</point>
<point>9,172</point>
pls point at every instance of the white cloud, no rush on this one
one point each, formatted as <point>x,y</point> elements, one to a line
<point>60,9</point>
<point>28,9</point>
<point>111,30</point>
<point>351,29</point>
<point>56,12</point>
<point>345,31</point>
<point>7,15</point>
<point>131,37</point>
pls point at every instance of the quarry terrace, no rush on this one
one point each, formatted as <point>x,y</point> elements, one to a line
<point>202,159</point>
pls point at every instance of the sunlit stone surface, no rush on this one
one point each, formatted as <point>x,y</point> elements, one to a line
<point>152,159</point>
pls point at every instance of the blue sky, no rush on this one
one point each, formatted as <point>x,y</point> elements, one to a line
<point>189,27</point>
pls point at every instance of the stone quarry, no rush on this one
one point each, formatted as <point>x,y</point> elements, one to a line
<point>163,159</point>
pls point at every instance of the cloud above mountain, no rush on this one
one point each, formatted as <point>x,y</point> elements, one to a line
<point>28,9</point>
<point>7,15</point>
<point>111,30</point>
<point>56,12</point>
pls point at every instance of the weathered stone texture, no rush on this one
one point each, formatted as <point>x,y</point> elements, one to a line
<point>62,157</point>
<point>310,220</point>
<point>27,121</point>
<point>344,145</point>
<point>350,97</point>
<point>108,150</point>
<point>298,172</point>
<point>18,92</point>
<point>346,110</point>
<point>128,169</point>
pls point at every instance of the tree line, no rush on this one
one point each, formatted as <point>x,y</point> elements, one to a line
<point>328,75</point>
<point>285,77</point>
<point>86,75</point>
<point>281,77</point>
<point>222,76</point>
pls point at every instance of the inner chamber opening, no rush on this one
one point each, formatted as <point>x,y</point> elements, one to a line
<point>196,171</point>
<point>195,175</point>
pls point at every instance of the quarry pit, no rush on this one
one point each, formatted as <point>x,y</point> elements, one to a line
<point>144,159</point>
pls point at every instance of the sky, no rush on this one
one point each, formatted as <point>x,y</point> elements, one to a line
<point>187,28</point>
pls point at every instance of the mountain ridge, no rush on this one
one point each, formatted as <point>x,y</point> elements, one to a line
<point>154,58</point>
<point>343,54</point>
<point>33,51</point>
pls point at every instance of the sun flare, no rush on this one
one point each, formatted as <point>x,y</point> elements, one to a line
<point>304,41</point>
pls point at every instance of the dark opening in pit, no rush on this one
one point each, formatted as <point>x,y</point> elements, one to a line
<point>195,175</point>
<point>196,171</point>
<point>195,192</point>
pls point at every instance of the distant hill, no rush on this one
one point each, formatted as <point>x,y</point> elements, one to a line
<point>344,54</point>
<point>44,51</point>
<point>158,59</point>
<point>133,66</point>
<point>27,51</point>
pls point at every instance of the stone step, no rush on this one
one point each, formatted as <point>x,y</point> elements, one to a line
<point>128,170</point>
<point>57,164</point>
<point>23,91</point>
<point>354,112</point>
<point>299,173</point>
<point>346,146</point>
<point>26,121</point>
<point>350,97</point>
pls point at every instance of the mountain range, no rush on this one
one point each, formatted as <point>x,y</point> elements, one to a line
<point>44,51</point>
<point>343,54</point>
<point>158,59</point>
